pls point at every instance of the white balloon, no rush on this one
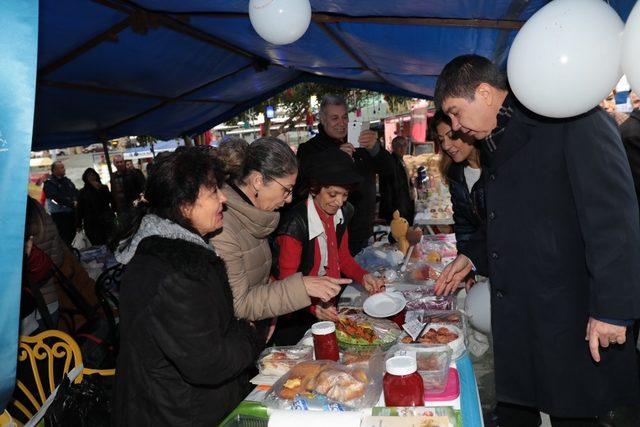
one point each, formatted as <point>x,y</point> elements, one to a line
<point>478,307</point>
<point>280,21</point>
<point>566,58</point>
<point>631,49</point>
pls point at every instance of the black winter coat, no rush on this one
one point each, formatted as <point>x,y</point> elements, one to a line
<point>368,163</point>
<point>394,192</point>
<point>95,213</point>
<point>182,352</point>
<point>563,245</point>
<point>630,131</point>
<point>469,213</point>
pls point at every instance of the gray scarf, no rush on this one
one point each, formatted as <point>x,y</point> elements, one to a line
<point>153,225</point>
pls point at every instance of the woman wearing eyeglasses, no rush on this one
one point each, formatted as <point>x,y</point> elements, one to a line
<point>460,164</point>
<point>266,183</point>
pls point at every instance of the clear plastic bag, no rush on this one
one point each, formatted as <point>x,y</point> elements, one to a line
<point>438,334</point>
<point>447,317</point>
<point>277,361</point>
<point>358,332</point>
<point>328,386</point>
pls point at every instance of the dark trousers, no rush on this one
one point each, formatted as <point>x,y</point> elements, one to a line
<point>66,225</point>
<point>510,415</point>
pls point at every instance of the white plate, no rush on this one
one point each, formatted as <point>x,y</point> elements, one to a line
<point>384,304</point>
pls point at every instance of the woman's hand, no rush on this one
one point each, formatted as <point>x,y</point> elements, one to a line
<point>453,274</point>
<point>329,313</point>
<point>324,287</point>
<point>373,284</point>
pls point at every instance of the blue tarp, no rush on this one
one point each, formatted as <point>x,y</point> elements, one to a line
<point>110,68</point>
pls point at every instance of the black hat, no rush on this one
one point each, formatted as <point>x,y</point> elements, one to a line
<point>333,167</point>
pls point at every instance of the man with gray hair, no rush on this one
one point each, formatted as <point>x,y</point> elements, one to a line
<point>369,159</point>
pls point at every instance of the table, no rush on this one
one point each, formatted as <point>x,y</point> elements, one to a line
<point>469,397</point>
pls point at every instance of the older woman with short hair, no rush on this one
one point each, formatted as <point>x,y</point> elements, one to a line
<point>182,351</point>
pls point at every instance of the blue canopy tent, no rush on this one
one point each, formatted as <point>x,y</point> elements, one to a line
<point>110,68</point>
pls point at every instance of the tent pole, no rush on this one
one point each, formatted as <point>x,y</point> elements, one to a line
<point>107,159</point>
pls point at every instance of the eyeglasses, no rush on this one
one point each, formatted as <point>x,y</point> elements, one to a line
<point>287,191</point>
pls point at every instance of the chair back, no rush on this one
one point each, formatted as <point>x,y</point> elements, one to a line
<point>43,361</point>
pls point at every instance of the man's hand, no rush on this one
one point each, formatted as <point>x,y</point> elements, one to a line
<point>602,334</point>
<point>324,288</point>
<point>453,274</point>
<point>348,148</point>
<point>367,139</point>
<point>372,284</point>
<point>330,313</point>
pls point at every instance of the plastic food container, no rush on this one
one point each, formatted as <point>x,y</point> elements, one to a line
<point>433,367</point>
<point>277,361</point>
<point>451,391</point>
<point>456,345</point>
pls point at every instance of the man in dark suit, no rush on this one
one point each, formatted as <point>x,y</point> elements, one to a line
<point>562,249</point>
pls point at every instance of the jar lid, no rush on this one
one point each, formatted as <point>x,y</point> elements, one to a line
<point>401,365</point>
<point>323,328</point>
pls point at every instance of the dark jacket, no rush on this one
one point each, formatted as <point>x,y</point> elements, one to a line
<point>127,187</point>
<point>395,192</point>
<point>469,213</point>
<point>368,163</point>
<point>182,352</point>
<point>563,245</point>
<point>295,223</point>
<point>95,213</point>
<point>630,131</point>
<point>61,194</point>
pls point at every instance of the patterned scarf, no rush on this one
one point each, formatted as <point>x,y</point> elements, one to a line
<point>504,115</point>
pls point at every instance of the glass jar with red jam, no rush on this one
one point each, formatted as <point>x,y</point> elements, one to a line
<point>325,342</point>
<point>402,384</point>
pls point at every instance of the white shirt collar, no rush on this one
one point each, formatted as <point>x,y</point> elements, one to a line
<point>315,223</point>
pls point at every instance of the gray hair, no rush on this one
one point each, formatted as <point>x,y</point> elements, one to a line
<point>271,157</point>
<point>232,153</point>
<point>331,99</point>
<point>462,75</point>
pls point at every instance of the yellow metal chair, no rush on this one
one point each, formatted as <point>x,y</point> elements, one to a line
<point>43,361</point>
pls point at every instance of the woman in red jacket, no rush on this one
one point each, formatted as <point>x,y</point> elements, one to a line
<point>313,238</point>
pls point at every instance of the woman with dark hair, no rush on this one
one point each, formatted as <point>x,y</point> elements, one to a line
<point>269,174</point>
<point>460,165</point>
<point>182,351</point>
<point>313,239</point>
<point>95,209</point>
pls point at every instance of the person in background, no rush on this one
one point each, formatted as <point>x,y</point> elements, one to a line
<point>128,164</point>
<point>312,238</point>
<point>62,199</point>
<point>397,191</point>
<point>609,105</point>
<point>460,165</point>
<point>630,132</point>
<point>43,246</point>
<point>562,249</point>
<point>127,186</point>
<point>369,159</point>
<point>269,174</point>
<point>232,152</point>
<point>182,351</point>
<point>95,209</point>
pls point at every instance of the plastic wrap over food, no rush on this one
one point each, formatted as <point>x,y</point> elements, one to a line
<point>358,332</point>
<point>328,386</point>
<point>447,317</point>
<point>430,302</point>
<point>380,257</point>
<point>437,334</point>
<point>276,361</point>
